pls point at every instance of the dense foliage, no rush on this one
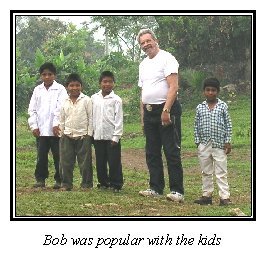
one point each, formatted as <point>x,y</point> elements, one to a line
<point>203,45</point>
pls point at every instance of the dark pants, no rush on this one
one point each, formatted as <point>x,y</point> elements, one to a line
<point>106,154</point>
<point>44,144</point>
<point>169,137</point>
<point>82,149</point>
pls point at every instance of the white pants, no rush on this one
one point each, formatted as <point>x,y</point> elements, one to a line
<point>213,161</point>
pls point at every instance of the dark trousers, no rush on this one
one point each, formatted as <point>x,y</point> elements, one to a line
<point>82,149</point>
<point>169,137</point>
<point>44,144</point>
<point>106,154</point>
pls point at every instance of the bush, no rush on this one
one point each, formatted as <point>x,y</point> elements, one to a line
<point>191,82</point>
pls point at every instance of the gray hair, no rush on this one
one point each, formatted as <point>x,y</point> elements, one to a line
<point>145,31</point>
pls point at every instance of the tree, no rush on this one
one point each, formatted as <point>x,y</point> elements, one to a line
<point>122,31</point>
<point>33,32</point>
<point>205,39</point>
<point>71,50</point>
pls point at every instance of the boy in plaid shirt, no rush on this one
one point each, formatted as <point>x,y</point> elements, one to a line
<point>213,131</point>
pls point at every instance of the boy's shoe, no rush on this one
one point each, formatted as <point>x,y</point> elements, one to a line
<point>57,186</point>
<point>149,193</point>
<point>86,186</point>
<point>115,190</point>
<point>103,187</point>
<point>175,197</point>
<point>66,188</point>
<point>39,184</point>
<point>204,200</point>
<point>224,202</point>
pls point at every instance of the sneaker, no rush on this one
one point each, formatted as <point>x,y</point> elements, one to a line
<point>39,184</point>
<point>175,197</point>
<point>149,192</point>
<point>85,186</point>
<point>224,202</point>
<point>204,200</point>
<point>57,186</point>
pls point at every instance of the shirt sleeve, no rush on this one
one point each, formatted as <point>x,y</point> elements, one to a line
<point>32,120</point>
<point>171,65</point>
<point>118,121</point>
<point>62,120</point>
<point>228,126</point>
<point>90,117</point>
<point>196,132</point>
<point>61,99</point>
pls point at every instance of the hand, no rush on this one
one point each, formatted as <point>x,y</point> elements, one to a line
<point>113,143</point>
<point>36,132</point>
<point>143,129</point>
<point>56,131</point>
<point>227,148</point>
<point>166,119</point>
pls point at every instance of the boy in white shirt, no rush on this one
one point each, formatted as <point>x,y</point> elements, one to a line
<point>108,128</point>
<point>76,129</point>
<point>44,111</point>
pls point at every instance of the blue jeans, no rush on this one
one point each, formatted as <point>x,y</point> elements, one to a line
<point>169,137</point>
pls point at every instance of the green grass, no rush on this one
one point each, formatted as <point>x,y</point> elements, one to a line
<point>49,202</point>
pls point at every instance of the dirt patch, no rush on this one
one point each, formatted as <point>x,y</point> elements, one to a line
<point>134,159</point>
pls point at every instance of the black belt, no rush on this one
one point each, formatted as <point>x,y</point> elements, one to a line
<point>152,107</point>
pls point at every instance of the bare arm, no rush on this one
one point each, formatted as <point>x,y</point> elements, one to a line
<point>172,81</point>
<point>227,148</point>
<point>142,112</point>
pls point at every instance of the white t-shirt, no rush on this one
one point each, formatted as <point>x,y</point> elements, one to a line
<point>152,77</point>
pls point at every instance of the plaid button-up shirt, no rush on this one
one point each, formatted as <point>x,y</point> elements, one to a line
<point>213,124</point>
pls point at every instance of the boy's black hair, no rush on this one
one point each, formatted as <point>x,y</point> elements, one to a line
<point>212,82</point>
<point>48,66</point>
<point>106,74</point>
<point>73,77</point>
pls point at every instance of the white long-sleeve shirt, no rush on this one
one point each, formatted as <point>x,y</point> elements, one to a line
<point>107,117</point>
<point>76,118</point>
<point>44,107</point>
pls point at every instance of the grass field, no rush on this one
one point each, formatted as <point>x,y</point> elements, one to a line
<point>30,202</point>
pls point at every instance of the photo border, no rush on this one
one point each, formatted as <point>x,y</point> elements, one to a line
<point>13,216</point>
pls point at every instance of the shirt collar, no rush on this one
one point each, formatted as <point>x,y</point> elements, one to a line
<point>80,96</point>
<point>219,101</point>
<point>111,95</point>
<point>54,86</point>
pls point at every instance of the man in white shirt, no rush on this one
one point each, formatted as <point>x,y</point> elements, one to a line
<point>108,128</point>
<point>161,117</point>
<point>44,109</point>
